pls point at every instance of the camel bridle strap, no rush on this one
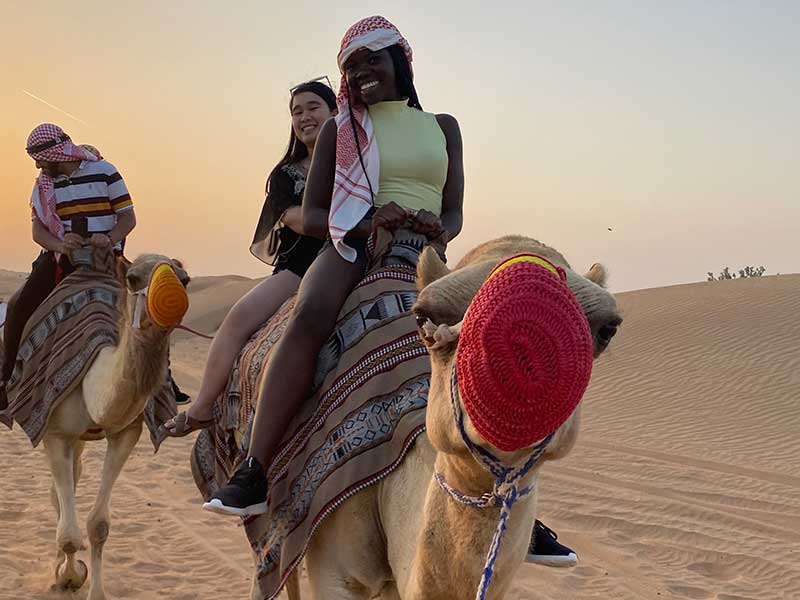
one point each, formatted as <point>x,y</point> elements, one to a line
<point>163,299</point>
<point>141,309</point>
<point>505,492</point>
<point>141,306</point>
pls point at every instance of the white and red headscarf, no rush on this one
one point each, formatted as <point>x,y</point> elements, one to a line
<point>49,142</point>
<point>352,197</point>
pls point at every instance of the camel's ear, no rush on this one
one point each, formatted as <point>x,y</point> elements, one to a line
<point>183,276</point>
<point>597,274</point>
<point>430,268</point>
<point>122,270</point>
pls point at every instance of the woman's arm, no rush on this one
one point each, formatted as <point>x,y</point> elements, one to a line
<point>453,192</point>
<point>319,183</point>
<point>293,219</point>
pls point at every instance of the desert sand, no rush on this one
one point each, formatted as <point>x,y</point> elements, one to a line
<point>685,482</point>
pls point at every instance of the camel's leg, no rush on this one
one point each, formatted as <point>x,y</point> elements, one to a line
<point>346,559</point>
<point>76,476</point>
<point>119,449</point>
<point>61,456</point>
<point>77,464</point>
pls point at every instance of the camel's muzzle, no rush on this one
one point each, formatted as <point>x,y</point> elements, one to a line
<point>524,354</point>
<point>165,298</point>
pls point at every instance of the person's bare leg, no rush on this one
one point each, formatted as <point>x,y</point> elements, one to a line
<point>244,318</point>
<point>288,377</point>
<point>322,293</point>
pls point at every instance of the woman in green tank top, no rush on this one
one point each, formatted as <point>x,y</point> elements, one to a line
<point>381,129</point>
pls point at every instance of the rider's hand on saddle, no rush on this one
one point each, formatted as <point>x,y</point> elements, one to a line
<point>100,240</point>
<point>389,216</point>
<point>72,241</point>
<point>428,224</point>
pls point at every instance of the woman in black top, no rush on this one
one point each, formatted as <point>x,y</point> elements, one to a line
<point>278,241</point>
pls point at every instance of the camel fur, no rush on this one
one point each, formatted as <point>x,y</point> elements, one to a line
<point>405,538</point>
<point>111,398</point>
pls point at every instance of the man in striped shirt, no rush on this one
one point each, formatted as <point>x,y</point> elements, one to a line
<point>77,198</point>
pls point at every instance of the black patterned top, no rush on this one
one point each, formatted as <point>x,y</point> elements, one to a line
<point>273,242</point>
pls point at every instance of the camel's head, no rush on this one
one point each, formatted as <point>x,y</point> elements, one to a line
<point>507,329</point>
<point>156,291</point>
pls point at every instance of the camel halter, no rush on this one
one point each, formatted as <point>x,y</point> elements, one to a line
<point>505,492</point>
<point>524,361</point>
<point>164,299</point>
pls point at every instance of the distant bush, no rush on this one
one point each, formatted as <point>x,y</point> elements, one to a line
<point>744,273</point>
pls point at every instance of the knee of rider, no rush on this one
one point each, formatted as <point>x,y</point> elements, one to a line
<point>313,317</point>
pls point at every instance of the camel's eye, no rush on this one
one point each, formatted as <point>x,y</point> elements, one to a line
<point>421,320</point>
<point>134,280</point>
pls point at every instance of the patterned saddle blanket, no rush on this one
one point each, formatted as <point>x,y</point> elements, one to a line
<point>367,408</point>
<point>59,344</point>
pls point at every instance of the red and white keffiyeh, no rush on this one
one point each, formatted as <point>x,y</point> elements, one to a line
<point>352,198</point>
<point>49,142</point>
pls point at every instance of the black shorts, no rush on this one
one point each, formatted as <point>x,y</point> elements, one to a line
<point>300,257</point>
<point>359,245</point>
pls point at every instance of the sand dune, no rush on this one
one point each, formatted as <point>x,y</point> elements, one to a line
<point>685,482</point>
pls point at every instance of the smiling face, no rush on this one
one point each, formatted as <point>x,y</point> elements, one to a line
<point>309,112</point>
<point>371,76</point>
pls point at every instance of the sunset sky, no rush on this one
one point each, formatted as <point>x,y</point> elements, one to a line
<point>676,124</point>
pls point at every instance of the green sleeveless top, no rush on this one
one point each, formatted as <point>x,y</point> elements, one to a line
<point>413,152</point>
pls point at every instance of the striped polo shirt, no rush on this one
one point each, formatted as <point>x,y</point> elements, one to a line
<point>95,191</point>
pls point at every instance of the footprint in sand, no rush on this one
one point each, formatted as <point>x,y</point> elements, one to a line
<point>715,570</point>
<point>688,591</point>
<point>584,571</point>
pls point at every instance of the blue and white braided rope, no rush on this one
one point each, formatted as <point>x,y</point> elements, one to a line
<point>505,492</point>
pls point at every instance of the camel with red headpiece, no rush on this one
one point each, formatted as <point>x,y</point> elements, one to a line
<point>511,342</point>
<point>115,328</point>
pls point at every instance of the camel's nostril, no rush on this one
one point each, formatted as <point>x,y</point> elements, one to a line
<point>607,333</point>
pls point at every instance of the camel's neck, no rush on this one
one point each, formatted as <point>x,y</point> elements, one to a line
<point>139,367</point>
<point>143,357</point>
<point>463,534</point>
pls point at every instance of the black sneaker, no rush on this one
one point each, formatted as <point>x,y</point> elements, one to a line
<point>246,492</point>
<point>545,550</point>
<point>180,397</point>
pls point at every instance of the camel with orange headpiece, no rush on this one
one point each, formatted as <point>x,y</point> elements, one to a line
<point>93,365</point>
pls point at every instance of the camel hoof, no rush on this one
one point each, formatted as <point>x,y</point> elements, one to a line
<point>72,581</point>
<point>61,558</point>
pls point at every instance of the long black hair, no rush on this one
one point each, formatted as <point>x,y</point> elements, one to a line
<point>402,75</point>
<point>297,151</point>
<point>405,89</point>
